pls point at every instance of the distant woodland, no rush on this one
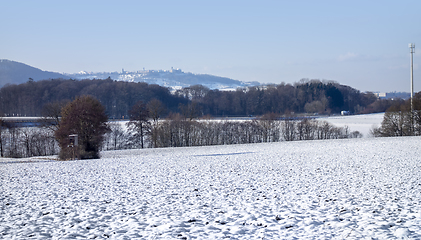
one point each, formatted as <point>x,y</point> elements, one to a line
<point>28,99</point>
<point>306,96</point>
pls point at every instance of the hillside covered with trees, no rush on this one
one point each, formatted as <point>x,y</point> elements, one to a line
<point>307,96</point>
<point>28,99</point>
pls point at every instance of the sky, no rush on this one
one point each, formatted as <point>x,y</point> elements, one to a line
<point>359,43</point>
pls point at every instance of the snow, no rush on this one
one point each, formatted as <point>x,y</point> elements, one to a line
<point>168,79</point>
<point>362,123</point>
<point>331,189</point>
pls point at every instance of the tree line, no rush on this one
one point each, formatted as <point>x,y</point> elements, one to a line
<point>184,130</point>
<point>118,97</point>
<point>85,118</point>
<point>181,132</point>
<point>306,96</point>
<point>28,99</point>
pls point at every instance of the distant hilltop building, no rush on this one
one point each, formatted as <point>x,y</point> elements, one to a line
<point>393,95</point>
<point>380,95</point>
<point>175,70</point>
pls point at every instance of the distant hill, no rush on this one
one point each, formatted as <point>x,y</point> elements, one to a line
<point>15,73</point>
<point>174,79</point>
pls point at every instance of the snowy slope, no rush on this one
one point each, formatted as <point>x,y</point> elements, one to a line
<point>362,123</point>
<point>171,79</point>
<point>335,189</point>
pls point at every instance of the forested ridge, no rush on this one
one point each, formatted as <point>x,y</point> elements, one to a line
<point>306,96</point>
<point>28,99</point>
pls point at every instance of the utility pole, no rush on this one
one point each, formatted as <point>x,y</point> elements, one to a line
<point>412,51</point>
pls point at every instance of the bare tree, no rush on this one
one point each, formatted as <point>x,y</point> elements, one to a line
<point>115,138</point>
<point>51,114</point>
<point>270,127</point>
<point>25,139</point>
<point>2,127</point>
<point>156,108</point>
<point>396,122</point>
<point>288,129</point>
<point>305,129</point>
<point>191,111</point>
<point>139,121</point>
<point>13,149</point>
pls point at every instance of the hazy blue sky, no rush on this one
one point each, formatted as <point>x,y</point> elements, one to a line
<point>363,44</point>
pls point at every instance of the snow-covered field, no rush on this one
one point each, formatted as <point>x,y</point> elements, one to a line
<point>362,123</point>
<point>333,189</point>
